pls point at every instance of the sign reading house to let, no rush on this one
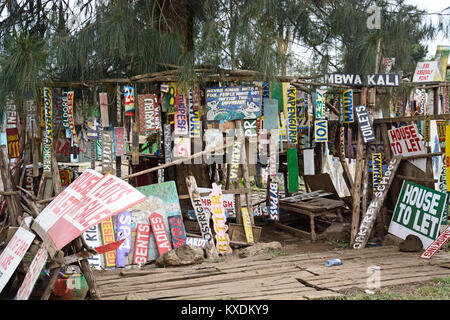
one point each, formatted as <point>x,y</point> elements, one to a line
<point>406,141</point>
<point>419,212</point>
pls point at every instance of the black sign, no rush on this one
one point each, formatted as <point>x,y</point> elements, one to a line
<point>345,79</point>
<point>365,126</point>
<point>383,80</point>
<point>372,80</point>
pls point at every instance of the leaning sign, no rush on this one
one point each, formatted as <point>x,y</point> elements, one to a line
<point>436,245</point>
<point>365,125</point>
<point>406,141</point>
<point>419,212</point>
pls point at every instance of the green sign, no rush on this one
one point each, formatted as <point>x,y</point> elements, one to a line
<point>419,212</point>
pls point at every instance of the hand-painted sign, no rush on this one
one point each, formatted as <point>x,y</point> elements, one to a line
<point>65,176</point>
<point>57,107</point>
<point>436,245</point>
<point>273,198</point>
<point>247,225</point>
<point>232,103</point>
<point>320,104</point>
<point>92,238</point>
<point>177,230</point>
<point>419,212</point>
<point>271,114</point>
<point>107,238</point>
<point>160,233</point>
<point>261,211</point>
<point>227,202</point>
<point>388,63</point>
<point>347,96</point>
<point>427,71</point>
<point>13,254</point>
<point>167,143</point>
<point>219,220</point>
<point>32,274</point>
<point>103,97</point>
<point>181,147</point>
<point>180,118</point>
<point>250,128</point>
<point>447,154</point>
<point>292,116</point>
<point>48,133</point>
<point>344,79</point>
<point>119,139</point>
<point>196,242</point>
<point>235,158</point>
<point>406,141</point>
<point>194,118</point>
<point>377,170</point>
<point>65,111</point>
<point>123,233</point>
<point>12,139</point>
<point>443,188</point>
<point>364,123</point>
<point>148,113</point>
<point>128,95</point>
<point>320,130</point>
<point>107,152</point>
<point>273,154</point>
<point>71,118</point>
<point>172,100</point>
<point>92,132</point>
<point>141,245</point>
<point>383,80</point>
<point>368,220</point>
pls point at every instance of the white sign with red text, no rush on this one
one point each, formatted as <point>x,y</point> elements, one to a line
<point>436,245</point>
<point>406,141</point>
<point>142,243</point>
<point>32,274</point>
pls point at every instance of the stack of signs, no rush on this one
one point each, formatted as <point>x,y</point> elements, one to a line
<point>219,220</point>
<point>128,94</point>
<point>48,135</point>
<point>12,133</point>
<point>232,103</point>
<point>419,212</point>
<point>365,125</point>
<point>406,141</point>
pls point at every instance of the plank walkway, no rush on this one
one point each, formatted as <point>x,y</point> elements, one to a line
<point>293,277</point>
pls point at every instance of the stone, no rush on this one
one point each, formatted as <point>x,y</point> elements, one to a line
<point>391,240</point>
<point>184,255</point>
<point>337,231</point>
<point>412,243</point>
<point>259,248</point>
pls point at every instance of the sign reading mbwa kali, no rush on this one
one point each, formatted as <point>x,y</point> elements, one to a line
<point>419,212</point>
<point>377,80</point>
<point>231,103</point>
<point>364,123</point>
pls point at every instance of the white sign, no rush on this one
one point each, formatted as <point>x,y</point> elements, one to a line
<point>32,274</point>
<point>406,141</point>
<point>427,71</point>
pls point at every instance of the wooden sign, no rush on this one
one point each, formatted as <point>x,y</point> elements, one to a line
<point>57,107</point>
<point>426,129</point>
<point>232,103</point>
<point>119,140</point>
<point>406,141</point>
<point>71,118</point>
<point>32,275</point>
<point>12,139</point>
<point>377,170</point>
<point>219,220</point>
<point>149,119</point>
<point>92,132</point>
<point>348,106</point>
<point>247,225</point>
<point>103,97</point>
<point>194,118</point>
<point>436,245</point>
<point>128,95</point>
<point>13,254</point>
<point>292,116</point>
<point>236,158</point>
<point>65,111</point>
<point>250,128</point>
<point>202,216</point>
<point>196,242</point>
<point>141,245</point>
<point>227,202</point>
<point>180,118</point>
<point>48,133</point>
<point>181,147</point>
<point>172,100</point>
<point>123,233</point>
<point>92,238</point>
<point>292,166</point>
<point>65,176</point>
<point>273,154</point>
<point>177,231</point>
<point>344,79</point>
<point>320,105</point>
<point>271,114</point>
<point>11,114</point>
<point>273,198</point>
<point>427,71</point>
<point>383,80</point>
<point>368,220</point>
<point>321,130</point>
<point>62,150</point>
<point>107,238</point>
<point>107,152</point>
<point>261,211</point>
<point>419,212</point>
<point>364,124</point>
<point>167,143</point>
<point>160,233</point>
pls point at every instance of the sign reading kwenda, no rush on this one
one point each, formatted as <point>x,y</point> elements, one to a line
<point>419,212</point>
<point>375,80</point>
<point>365,125</point>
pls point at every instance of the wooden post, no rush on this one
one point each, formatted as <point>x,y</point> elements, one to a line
<point>86,269</point>
<point>12,201</point>
<point>387,147</point>
<point>356,194</point>
<point>346,172</point>
<point>53,277</point>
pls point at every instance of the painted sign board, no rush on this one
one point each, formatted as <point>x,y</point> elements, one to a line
<point>232,103</point>
<point>70,97</point>
<point>292,115</point>
<point>177,231</point>
<point>123,233</point>
<point>103,97</point>
<point>406,141</point>
<point>12,139</point>
<point>383,80</point>
<point>196,242</point>
<point>270,114</point>
<point>247,225</point>
<point>427,71</point>
<point>347,97</point>
<point>172,99</point>
<point>347,79</point>
<point>181,116</point>
<point>32,274</point>
<point>148,113</point>
<point>194,117</point>
<point>119,140</point>
<point>377,170</point>
<point>419,212</point>
<point>128,95</point>
<point>320,104</point>
<point>219,220</point>
<point>227,202</point>
<point>436,245</point>
<point>141,245</point>
<point>273,198</point>
<point>107,152</point>
<point>235,158</point>
<point>93,123</point>
<point>65,111</point>
<point>181,147</point>
<point>364,124</point>
<point>48,133</point>
<point>273,154</point>
<point>108,237</point>
<point>92,238</point>
<point>13,254</point>
<point>160,233</point>
<point>251,128</point>
<point>321,130</point>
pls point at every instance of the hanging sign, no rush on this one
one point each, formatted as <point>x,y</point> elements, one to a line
<point>364,124</point>
<point>92,132</point>
<point>32,275</point>
<point>344,79</point>
<point>108,237</point>
<point>71,119</point>
<point>377,170</point>
<point>123,233</point>
<point>320,130</point>
<point>177,231</point>
<point>232,103</point>
<point>383,80</point>
<point>48,133</point>
<point>292,116</point>
<point>348,105</point>
<point>180,118</point>
<point>406,141</point>
<point>194,118</point>
<point>65,111</point>
<point>13,254</point>
<point>219,220</point>
<point>172,100</point>
<point>160,233</point>
<point>103,97</point>
<point>128,96</point>
<point>107,152</point>
<point>12,139</point>
<point>119,140</point>
<point>419,212</point>
<point>320,104</point>
<point>436,245</point>
<point>141,245</point>
<point>273,198</point>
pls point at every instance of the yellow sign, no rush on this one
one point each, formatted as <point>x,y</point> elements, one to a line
<point>247,225</point>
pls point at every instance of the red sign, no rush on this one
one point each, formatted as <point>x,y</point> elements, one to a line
<point>141,244</point>
<point>148,113</point>
<point>109,238</point>
<point>12,137</point>
<point>119,138</point>
<point>177,230</point>
<point>160,233</point>
<point>436,245</point>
